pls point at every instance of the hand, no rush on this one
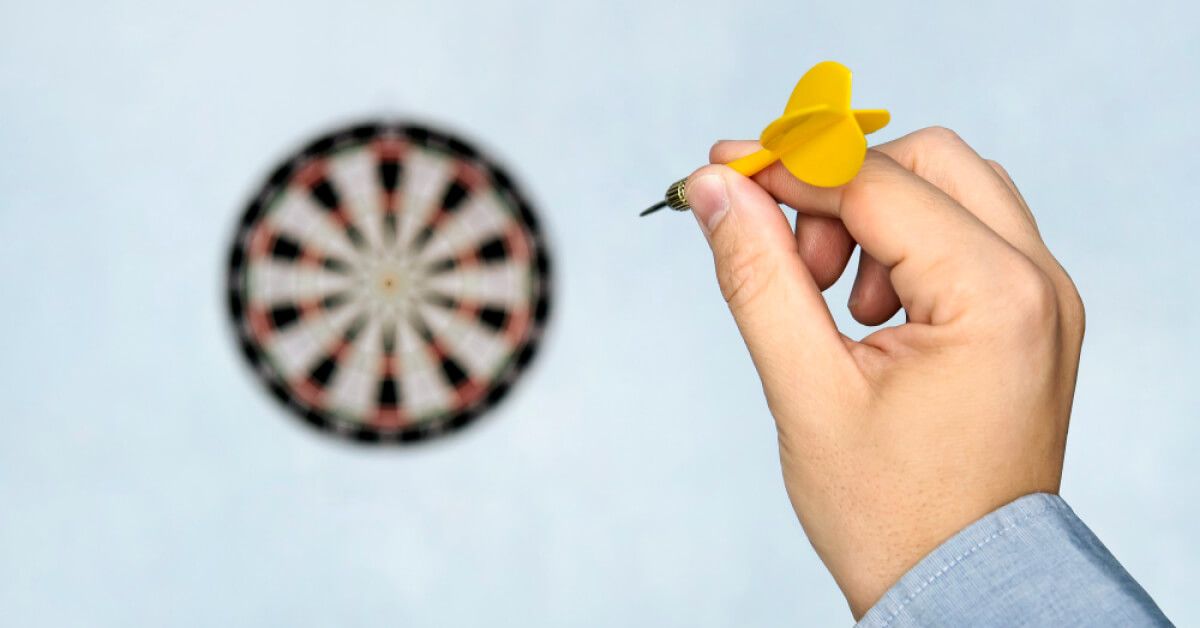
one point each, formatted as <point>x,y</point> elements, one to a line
<point>893,443</point>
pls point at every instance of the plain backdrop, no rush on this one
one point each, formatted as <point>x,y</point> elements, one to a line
<point>632,479</point>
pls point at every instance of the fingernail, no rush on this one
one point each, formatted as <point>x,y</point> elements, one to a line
<point>709,200</point>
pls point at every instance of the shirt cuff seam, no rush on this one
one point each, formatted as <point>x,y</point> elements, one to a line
<point>957,560</point>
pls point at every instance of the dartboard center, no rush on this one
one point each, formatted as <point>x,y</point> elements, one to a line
<point>391,283</point>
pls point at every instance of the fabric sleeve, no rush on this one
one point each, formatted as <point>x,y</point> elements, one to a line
<point>1029,563</point>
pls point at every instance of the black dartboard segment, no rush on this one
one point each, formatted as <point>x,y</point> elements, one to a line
<point>388,283</point>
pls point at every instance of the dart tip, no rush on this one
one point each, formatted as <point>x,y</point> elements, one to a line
<point>653,208</point>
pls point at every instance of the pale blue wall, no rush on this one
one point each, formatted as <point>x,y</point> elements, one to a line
<point>632,479</point>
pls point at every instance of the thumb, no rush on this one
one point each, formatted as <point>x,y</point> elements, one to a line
<point>774,299</point>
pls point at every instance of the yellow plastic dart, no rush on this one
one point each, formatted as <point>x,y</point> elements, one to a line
<point>819,138</point>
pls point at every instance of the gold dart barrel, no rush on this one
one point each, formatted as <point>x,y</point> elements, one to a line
<point>675,198</point>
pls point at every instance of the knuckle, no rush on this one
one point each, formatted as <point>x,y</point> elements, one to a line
<point>877,161</point>
<point>1073,314</point>
<point>1000,170</point>
<point>1031,298</point>
<point>939,136</point>
<point>744,276</point>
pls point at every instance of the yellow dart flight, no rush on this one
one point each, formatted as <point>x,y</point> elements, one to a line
<point>819,138</point>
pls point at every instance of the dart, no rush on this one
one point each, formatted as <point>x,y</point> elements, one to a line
<point>819,138</point>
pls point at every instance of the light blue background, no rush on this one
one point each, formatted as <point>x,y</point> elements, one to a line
<point>632,479</point>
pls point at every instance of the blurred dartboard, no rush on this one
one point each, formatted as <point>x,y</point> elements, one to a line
<point>389,283</point>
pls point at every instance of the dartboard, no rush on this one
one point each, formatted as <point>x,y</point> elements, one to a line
<point>388,283</point>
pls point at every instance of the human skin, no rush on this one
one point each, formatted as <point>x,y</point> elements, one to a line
<point>891,444</point>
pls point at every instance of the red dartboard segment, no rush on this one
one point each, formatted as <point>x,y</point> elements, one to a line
<point>388,283</point>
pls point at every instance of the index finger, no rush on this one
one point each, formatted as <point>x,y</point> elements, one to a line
<point>943,259</point>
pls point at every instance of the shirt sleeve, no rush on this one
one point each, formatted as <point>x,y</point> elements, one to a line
<point>1029,563</point>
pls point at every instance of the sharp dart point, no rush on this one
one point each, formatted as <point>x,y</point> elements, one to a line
<point>653,208</point>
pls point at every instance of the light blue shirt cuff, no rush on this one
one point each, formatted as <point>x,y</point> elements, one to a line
<point>1029,563</point>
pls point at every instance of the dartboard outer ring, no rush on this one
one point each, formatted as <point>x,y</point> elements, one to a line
<point>497,387</point>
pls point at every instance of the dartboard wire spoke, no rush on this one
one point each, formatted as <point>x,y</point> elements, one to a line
<point>344,302</point>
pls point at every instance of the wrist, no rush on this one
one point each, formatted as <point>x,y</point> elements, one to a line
<point>879,552</point>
